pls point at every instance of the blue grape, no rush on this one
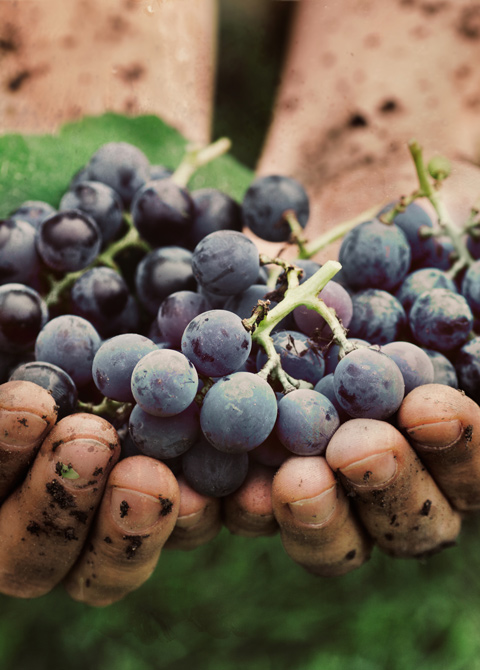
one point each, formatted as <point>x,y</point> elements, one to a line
<point>100,202</point>
<point>441,320</point>
<point>310,322</point>
<point>115,361</point>
<point>266,202</point>
<point>164,382</point>
<point>216,342</point>
<point>214,211</point>
<point>419,281</point>
<point>211,472</point>
<point>467,367</point>
<point>415,365</point>
<point>176,312</point>
<point>369,384</point>
<point>411,222</point>
<point>33,211</point>
<point>375,255</point>
<point>164,437</point>
<point>19,259</point>
<point>378,317</point>
<point>331,356</point>
<point>306,422</point>
<point>238,412</point>
<point>443,370</point>
<point>160,172</point>
<point>162,272</point>
<point>53,379</point>
<point>23,314</point>
<point>225,262</point>
<point>471,287</point>
<point>99,295</point>
<point>299,357</point>
<point>163,212</point>
<point>68,241</point>
<point>243,303</point>
<point>121,166</point>
<point>71,343</point>
<point>326,387</point>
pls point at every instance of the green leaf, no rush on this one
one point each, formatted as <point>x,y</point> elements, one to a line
<point>40,167</point>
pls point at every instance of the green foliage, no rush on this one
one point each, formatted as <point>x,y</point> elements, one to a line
<point>235,603</point>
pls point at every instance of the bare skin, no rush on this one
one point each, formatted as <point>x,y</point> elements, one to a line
<point>340,127</point>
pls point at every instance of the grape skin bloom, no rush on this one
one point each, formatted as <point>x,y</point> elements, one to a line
<point>164,382</point>
<point>238,412</point>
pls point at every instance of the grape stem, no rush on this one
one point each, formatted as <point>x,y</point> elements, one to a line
<point>198,156</point>
<point>299,294</point>
<point>111,408</point>
<point>444,219</point>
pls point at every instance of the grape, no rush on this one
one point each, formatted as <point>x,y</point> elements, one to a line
<point>164,382</point>
<point>378,317</point>
<point>214,211</point>
<point>163,212</point>
<point>115,361</point>
<point>23,314</point>
<point>33,211</point>
<point>71,343</point>
<point>164,437</point>
<point>176,312</point>
<point>467,366</point>
<point>326,387</point>
<point>441,320</point>
<point>415,365</point>
<point>306,422</point>
<point>266,202</point>
<point>159,172</point>
<point>100,202</point>
<point>331,357</point>
<point>419,281</point>
<point>271,453</point>
<point>162,272</point>
<point>53,379</point>
<point>225,262</point>
<point>121,166</point>
<point>68,241</point>
<point>19,260</point>
<point>212,472</point>
<point>375,255</point>
<point>243,303</point>
<point>471,287</point>
<point>443,369</point>
<point>411,221</point>
<point>99,295</point>
<point>216,342</point>
<point>368,384</point>
<point>334,296</point>
<point>309,268</point>
<point>238,412</point>
<point>299,357</point>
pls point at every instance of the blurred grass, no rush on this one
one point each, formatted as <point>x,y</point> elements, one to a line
<point>234,603</point>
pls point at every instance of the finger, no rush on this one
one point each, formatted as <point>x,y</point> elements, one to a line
<point>318,529</point>
<point>45,522</point>
<point>397,500</point>
<point>443,426</point>
<point>137,514</point>
<point>27,413</point>
<point>249,510</point>
<point>198,520</point>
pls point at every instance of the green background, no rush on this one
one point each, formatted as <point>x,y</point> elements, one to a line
<point>236,602</point>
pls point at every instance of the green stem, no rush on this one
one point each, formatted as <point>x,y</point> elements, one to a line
<point>297,236</point>
<point>444,219</point>
<point>196,157</point>
<point>400,207</point>
<point>323,241</point>
<point>303,294</point>
<point>129,240</point>
<point>112,408</point>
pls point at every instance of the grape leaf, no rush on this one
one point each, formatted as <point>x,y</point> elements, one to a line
<point>39,167</point>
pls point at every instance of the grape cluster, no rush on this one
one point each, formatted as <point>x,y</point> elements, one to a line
<point>145,303</point>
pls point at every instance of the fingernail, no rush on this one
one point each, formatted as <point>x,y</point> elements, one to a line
<point>436,435</point>
<point>372,471</point>
<point>81,463</point>
<point>317,510</point>
<point>134,511</point>
<point>21,429</point>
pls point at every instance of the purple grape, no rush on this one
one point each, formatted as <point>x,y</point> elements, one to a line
<point>23,314</point>
<point>214,211</point>
<point>299,357</point>
<point>378,317</point>
<point>19,259</point>
<point>33,211</point>
<point>68,241</point>
<point>176,312</point>
<point>164,437</point>
<point>53,379</point>
<point>415,365</point>
<point>310,322</point>
<point>441,320</point>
